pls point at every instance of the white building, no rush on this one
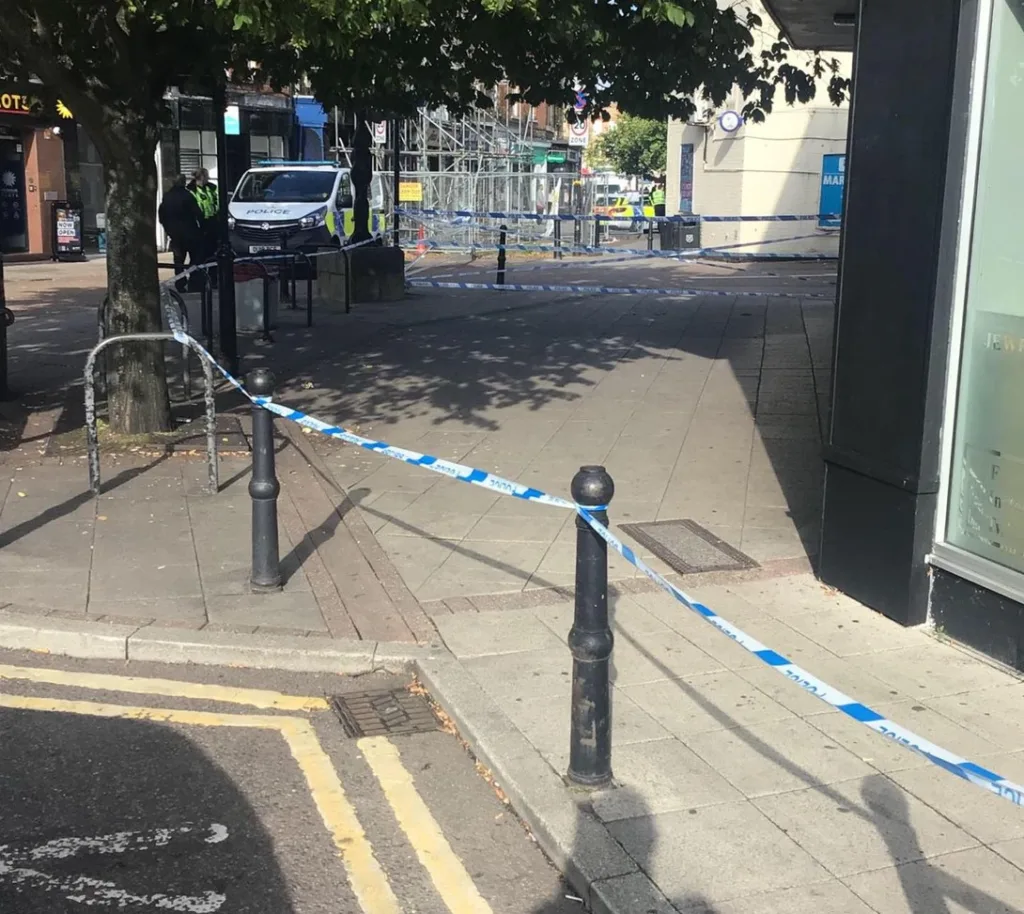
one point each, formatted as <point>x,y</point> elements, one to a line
<point>721,168</point>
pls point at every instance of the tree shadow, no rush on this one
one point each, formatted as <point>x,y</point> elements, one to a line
<point>468,363</point>
<point>460,361</point>
<point>133,815</point>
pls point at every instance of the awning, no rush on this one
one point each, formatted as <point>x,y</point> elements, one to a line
<point>310,112</point>
<point>820,25</point>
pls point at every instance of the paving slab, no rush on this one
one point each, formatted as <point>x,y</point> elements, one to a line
<point>864,824</point>
<point>765,857</point>
<point>971,880</point>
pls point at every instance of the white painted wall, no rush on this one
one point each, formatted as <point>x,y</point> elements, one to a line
<point>762,169</point>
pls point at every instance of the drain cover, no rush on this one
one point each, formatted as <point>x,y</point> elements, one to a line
<point>382,712</point>
<point>687,547</point>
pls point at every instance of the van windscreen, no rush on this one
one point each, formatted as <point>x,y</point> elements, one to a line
<point>282,186</point>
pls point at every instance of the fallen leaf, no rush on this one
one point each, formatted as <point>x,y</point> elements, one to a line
<point>102,517</point>
<point>21,495</point>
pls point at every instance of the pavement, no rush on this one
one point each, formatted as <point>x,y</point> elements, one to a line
<point>736,791</point>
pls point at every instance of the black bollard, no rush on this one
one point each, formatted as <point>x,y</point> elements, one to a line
<point>577,234</point>
<point>590,639</point>
<point>558,239</point>
<point>597,231</point>
<point>650,235</point>
<point>501,255</point>
<point>263,489</point>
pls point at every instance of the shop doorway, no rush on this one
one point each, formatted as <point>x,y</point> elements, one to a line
<point>13,221</point>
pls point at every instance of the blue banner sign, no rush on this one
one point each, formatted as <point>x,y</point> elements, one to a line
<point>833,182</point>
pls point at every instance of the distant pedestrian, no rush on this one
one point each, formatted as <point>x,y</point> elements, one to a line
<point>205,193</point>
<point>182,219</point>
<point>658,197</point>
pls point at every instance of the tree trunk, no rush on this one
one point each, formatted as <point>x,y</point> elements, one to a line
<point>362,173</point>
<point>139,402</point>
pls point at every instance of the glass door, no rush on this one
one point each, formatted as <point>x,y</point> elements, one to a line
<point>13,225</point>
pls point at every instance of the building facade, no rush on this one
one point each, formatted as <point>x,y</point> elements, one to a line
<point>923,513</point>
<point>719,164</point>
<point>32,174</point>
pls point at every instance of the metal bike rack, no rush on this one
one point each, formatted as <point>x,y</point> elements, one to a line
<point>309,284</point>
<point>91,431</point>
<point>186,368</point>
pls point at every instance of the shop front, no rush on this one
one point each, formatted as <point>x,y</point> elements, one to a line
<point>923,513</point>
<point>31,172</point>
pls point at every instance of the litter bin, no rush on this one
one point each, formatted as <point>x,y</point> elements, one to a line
<point>680,236</point>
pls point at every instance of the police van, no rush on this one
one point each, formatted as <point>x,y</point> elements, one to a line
<point>280,205</point>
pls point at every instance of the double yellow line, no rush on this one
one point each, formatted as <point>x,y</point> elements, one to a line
<point>367,878</point>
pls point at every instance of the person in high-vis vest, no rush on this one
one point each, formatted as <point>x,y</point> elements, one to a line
<point>658,198</point>
<point>205,193</point>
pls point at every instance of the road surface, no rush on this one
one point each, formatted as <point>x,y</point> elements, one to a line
<point>208,791</point>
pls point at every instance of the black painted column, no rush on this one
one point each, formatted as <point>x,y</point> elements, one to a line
<point>903,177</point>
<point>362,172</point>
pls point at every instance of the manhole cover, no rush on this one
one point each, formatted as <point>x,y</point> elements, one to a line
<point>382,712</point>
<point>687,547</point>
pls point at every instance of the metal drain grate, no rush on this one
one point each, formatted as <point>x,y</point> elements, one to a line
<point>687,547</point>
<point>383,712</point>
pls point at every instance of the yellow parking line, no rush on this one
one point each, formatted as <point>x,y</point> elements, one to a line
<point>449,876</point>
<point>369,882</point>
<point>257,698</point>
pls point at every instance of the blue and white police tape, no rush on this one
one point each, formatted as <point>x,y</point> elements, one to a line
<point>641,253</point>
<point>954,764</point>
<point>274,255</point>
<point>567,217</point>
<point>604,290</point>
<point>719,254</point>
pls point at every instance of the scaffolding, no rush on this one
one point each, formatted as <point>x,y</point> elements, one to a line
<point>485,161</point>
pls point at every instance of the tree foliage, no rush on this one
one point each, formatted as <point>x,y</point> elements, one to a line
<point>635,146</point>
<point>112,61</point>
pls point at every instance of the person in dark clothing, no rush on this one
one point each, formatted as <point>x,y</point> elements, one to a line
<point>182,219</point>
<point>206,197</point>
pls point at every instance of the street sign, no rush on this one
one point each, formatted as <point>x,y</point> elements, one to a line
<point>686,178</point>
<point>833,184</point>
<point>67,231</point>
<point>232,121</point>
<point>581,101</point>
<point>410,192</point>
<point>380,133</point>
<point>579,133</point>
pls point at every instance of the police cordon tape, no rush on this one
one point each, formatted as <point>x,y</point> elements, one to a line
<point>603,290</point>
<point>272,255</point>
<point>954,764</point>
<point>724,250</point>
<point>568,217</point>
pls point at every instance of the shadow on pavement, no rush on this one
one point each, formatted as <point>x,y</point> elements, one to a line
<point>70,505</point>
<point>926,887</point>
<point>464,363</point>
<point>105,813</point>
<point>355,498</point>
<point>627,898</point>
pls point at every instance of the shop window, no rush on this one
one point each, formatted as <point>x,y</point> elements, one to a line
<point>197,149</point>
<point>986,498</point>
<point>265,147</point>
